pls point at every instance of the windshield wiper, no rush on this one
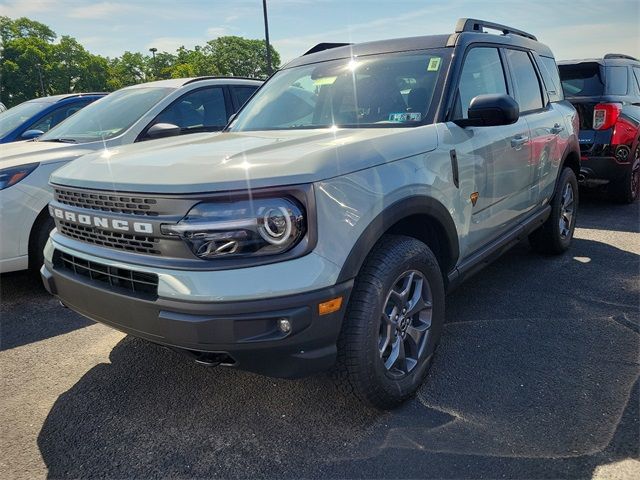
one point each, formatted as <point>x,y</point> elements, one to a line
<point>60,140</point>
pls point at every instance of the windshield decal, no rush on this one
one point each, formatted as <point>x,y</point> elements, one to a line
<point>405,117</point>
<point>434,64</point>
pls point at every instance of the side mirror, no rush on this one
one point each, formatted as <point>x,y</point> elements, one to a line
<point>162,130</point>
<point>232,118</point>
<point>491,110</point>
<point>31,134</point>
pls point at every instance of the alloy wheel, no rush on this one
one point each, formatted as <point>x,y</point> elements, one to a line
<point>405,323</point>
<point>566,210</point>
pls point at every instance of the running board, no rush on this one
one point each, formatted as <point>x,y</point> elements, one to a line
<point>484,256</point>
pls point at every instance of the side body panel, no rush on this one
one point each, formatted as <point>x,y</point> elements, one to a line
<point>494,169</point>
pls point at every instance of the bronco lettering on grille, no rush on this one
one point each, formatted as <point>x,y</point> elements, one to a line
<point>102,222</point>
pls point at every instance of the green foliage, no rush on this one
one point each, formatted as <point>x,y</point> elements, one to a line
<point>241,57</point>
<point>33,64</point>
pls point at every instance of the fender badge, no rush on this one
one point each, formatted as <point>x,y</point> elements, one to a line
<point>474,198</point>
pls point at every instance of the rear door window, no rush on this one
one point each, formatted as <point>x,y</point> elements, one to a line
<point>617,80</point>
<point>482,74</point>
<point>199,110</point>
<point>527,86</point>
<point>243,94</point>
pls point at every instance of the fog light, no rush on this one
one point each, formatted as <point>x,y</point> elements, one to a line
<point>284,325</point>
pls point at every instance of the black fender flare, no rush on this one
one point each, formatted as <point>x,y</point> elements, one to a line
<point>413,205</point>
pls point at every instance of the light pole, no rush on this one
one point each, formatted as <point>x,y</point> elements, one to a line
<point>266,35</point>
<point>39,67</point>
<point>153,51</point>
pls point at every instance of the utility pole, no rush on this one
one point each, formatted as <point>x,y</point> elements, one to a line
<point>266,35</point>
<point>38,66</point>
<point>153,51</point>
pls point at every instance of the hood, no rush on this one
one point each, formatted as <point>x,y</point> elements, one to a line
<point>236,161</point>
<point>20,153</point>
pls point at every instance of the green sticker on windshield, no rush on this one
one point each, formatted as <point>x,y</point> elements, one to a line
<point>434,64</point>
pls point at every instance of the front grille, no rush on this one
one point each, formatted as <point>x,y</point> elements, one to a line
<point>104,238</point>
<point>118,279</point>
<point>105,202</point>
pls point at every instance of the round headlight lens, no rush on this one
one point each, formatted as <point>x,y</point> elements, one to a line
<point>276,225</point>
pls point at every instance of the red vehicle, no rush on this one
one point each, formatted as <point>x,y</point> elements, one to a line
<point>606,94</point>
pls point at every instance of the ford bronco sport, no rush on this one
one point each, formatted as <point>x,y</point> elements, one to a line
<point>323,227</point>
<point>606,94</point>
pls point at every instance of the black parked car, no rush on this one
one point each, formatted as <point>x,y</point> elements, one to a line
<point>606,93</point>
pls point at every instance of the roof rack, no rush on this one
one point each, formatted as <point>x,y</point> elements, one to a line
<point>609,56</point>
<point>324,46</point>
<point>475,25</point>
<point>218,77</point>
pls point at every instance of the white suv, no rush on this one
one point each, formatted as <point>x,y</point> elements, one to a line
<point>133,114</point>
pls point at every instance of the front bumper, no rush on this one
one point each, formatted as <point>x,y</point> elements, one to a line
<point>243,334</point>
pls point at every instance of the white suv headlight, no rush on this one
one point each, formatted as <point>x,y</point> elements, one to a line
<point>12,175</point>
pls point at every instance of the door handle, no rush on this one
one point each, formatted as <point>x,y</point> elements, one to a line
<point>518,141</point>
<point>557,129</point>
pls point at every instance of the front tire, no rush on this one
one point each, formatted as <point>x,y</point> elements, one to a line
<point>38,240</point>
<point>393,323</point>
<point>554,236</point>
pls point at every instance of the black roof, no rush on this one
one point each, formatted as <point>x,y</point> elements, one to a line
<point>467,31</point>
<point>608,59</point>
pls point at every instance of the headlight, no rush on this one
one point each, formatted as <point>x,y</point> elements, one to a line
<point>12,175</point>
<point>242,228</point>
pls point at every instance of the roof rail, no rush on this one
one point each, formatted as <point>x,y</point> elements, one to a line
<point>218,77</point>
<point>475,25</point>
<point>324,46</point>
<point>609,56</point>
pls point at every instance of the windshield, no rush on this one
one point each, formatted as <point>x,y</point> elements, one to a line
<point>582,80</point>
<point>16,116</point>
<point>108,117</point>
<point>379,90</point>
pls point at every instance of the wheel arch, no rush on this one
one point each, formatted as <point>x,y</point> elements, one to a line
<point>420,217</point>
<point>42,217</point>
<point>572,160</point>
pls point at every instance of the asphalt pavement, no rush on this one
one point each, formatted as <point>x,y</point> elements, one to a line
<point>536,377</point>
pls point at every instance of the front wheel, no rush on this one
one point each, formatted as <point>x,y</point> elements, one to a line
<point>39,236</point>
<point>554,236</point>
<point>393,323</point>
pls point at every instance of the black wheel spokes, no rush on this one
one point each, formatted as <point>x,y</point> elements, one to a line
<point>405,323</point>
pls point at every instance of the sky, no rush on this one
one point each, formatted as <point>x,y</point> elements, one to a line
<point>572,28</point>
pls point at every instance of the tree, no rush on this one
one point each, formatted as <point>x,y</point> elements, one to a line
<point>241,57</point>
<point>129,69</point>
<point>33,63</point>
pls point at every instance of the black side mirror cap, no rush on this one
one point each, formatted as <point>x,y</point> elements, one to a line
<point>31,134</point>
<point>491,110</point>
<point>162,130</point>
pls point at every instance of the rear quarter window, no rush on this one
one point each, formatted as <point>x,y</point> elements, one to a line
<point>551,78</point>
<point>617,80</point>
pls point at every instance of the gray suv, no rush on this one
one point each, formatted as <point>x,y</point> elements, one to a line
<point>323,227</point>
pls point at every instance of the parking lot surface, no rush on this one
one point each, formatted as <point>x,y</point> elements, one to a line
<point>536,376</point>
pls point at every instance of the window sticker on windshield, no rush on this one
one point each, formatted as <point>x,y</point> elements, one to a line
<point>434,64</point>
<point>405,117</point>
<point>324,81</point>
